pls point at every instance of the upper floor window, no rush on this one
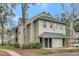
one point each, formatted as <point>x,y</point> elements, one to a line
<point>74,41</point>
<point>61,28</point>
<point>19,24</point>
<point>51,25</point>
<point>77,41</point>
<point>55,26</point>
<point>44,24</point>
<point>18,32</point>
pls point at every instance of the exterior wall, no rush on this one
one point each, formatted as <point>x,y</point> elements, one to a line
<point>55,29</point>
<point>29,32</point>
<point>12,38</point>
<point>57,43</point>
<point>33,32</point>
<point>20,35</point>
<point>6,39</point>
<point>36,30</point>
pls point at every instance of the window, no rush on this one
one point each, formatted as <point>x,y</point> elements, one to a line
<point>61,28</point>
<point>44,24</point>
<point>55,26</point>
<point>77,41</point>
<point>18,32</point>
<point>16,39</point>
<point>20,24</point>
<point>51,25</point>
<point>53,29</point>
<point>74,42</point>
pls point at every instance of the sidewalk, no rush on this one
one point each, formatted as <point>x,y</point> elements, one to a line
<point>12,53</point>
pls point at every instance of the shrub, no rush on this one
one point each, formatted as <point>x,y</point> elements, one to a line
<point>24,46</point>
<point>17,45</point>
<point>29,46</point>
<point>36,45</point>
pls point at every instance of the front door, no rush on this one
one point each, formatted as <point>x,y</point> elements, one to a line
<point>46,42</point>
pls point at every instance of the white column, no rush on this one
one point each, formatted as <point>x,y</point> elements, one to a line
<point>52,43</point>
<point>48,42</point>
<point>43,43</point>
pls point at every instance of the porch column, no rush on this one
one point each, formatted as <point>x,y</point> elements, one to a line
<point>48,42</point>
<point>43,42</point>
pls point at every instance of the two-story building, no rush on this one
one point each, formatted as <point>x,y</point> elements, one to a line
<point>45,29</point>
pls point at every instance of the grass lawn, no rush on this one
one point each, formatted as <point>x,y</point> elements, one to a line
<point>31,52</point>
<point>7,47</point>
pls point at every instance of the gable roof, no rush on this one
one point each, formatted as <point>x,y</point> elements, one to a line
<point>45,16</point>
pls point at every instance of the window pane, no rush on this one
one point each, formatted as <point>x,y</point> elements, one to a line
<point>44,24</point>
<point>51,26</point>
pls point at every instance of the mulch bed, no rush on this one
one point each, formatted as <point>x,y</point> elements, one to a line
<point>40,52</point>
<point>32,52</point>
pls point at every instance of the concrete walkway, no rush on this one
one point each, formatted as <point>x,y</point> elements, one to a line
<point>12,53</point>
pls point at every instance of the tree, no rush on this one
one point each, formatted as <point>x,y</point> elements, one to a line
<point>65,19</point>
<point>76,26</point>
<point>24,7</point>
<point>6,14</point>
<point>71,12</point>
<point>24,10</point>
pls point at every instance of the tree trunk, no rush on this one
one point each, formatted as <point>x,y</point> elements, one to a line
<point>72,33</point>
<point>24,6</point>
<point>2,33</point>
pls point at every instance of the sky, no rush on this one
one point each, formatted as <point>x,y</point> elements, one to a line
<point>52,8</point>
<point>55,9</point>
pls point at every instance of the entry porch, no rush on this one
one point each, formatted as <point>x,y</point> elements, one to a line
<point>53,40</point>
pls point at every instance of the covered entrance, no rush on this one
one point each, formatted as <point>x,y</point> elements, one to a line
<point>46,42</point>
<point>52,40</point>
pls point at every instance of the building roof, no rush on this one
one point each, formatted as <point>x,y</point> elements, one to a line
<point>45,16</point>
<point>53,35</point>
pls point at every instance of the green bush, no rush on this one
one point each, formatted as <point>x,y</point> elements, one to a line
<point>24,46</point>
<point>17,45</point>
<point>36,45</point>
